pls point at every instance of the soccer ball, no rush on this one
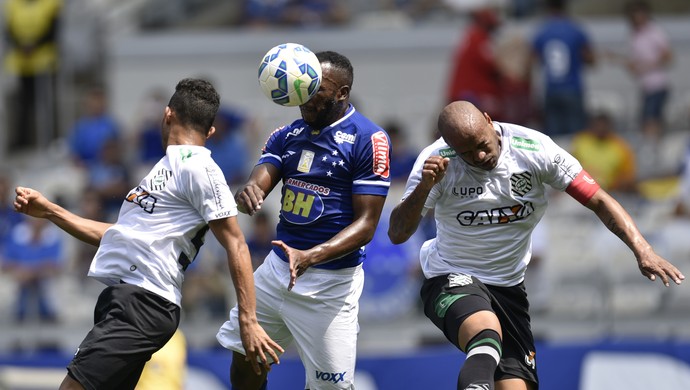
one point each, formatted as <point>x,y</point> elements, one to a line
<point>289,74</point>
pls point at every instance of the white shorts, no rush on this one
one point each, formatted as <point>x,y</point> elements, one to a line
<point>319,314</point>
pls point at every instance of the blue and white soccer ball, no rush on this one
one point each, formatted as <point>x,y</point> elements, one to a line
<point>290,74</point>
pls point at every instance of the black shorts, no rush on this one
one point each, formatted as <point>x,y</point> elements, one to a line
<point>447,305</point>
<point>130,324</point>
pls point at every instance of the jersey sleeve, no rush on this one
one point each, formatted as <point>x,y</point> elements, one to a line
<point>372,165</point>
<point>273,149</point>
<point>207,190</point>
<point>557,167</point>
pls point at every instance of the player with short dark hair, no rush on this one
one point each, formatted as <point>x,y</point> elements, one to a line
<point>334,167</point>
<point>486,182</point>
<point>142,257</point>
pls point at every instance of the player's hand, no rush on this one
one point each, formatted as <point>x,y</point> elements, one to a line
<point>654,265</point>
<point>257,346</point>
<point>298,262</point>
<point>434,170</point>
<point>31,202</point>
<point>249,200</point>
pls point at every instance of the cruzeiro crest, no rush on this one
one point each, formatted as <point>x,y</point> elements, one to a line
<point>521,183</point>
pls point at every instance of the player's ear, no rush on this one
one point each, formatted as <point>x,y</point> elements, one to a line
<point>488,118</point>
<point>211,131</point>
<point>344,92</point>
<point>167,114</point>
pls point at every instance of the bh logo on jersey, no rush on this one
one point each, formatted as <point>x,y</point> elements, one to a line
<point>302,202</point>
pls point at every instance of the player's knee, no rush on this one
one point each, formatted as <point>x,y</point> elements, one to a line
<point>488,342</point>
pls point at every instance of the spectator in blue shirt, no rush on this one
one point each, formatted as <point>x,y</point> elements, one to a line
<point>93,129</point>
<point>563,49</point>
<point>32,256</point>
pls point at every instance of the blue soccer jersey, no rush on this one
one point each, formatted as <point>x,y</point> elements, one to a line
<point>321,171</point>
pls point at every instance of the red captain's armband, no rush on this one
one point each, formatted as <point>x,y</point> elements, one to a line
<point>583,187</point>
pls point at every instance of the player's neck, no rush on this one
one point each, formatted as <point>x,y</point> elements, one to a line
<point>184,136</point>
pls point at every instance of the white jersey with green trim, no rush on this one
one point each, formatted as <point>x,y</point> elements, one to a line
<point>484,219</point>
<point>163,221</point>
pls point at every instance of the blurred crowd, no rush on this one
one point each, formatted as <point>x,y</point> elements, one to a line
<point>533,80</point>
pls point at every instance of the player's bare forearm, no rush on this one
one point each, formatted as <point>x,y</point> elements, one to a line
<point>261,182</point>
<point>34,204</point>
<point>405,217</point>
<point>230,236</point>
<point>619,222</point>
<point>359,233</point>
<point>260,349</point>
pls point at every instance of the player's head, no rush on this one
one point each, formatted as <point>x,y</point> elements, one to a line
<point>331,100</point>
<point>471,134</point>
<point>194,105</point>
<point>638,13</point>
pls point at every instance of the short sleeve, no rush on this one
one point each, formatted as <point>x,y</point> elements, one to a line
<point>273,149</point>
<point>207,190</point>
<point>557,167</point>
<point>372,165</point>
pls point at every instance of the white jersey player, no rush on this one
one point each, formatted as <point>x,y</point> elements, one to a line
<point>486,182</point>
<point>142,256</point>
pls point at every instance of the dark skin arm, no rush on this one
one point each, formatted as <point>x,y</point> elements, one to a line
<point>261,182</point>
<point>367,210</point>
<point>620,223</point>
<point>406,216</point>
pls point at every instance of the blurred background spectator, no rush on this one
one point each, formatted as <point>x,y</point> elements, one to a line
<point>475,75</point>
<point>8,217</point>
<point>563,49</point>
<point>147,130</point>
<point>93,129</point>
<point>230,145</point>
<point>260,237</point>
<point>648,61</point>
<point>32,255</point>
<point>32,56</point>
<point>606,155</point>
<point>402,154</point>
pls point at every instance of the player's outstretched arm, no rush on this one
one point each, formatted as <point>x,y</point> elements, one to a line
<point>33,203</point>
<point>620,223</point>
<point>406,216</point>
<point>367,212</point>
<point>262,180</point>
<point>257,344</point>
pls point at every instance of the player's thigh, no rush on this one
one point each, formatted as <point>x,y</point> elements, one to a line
<point>130,325</point>
<point>519,358</point>
<point>322,314</point>
<point>449,300</point>
<point>270,301</point>
<point>328,350</point>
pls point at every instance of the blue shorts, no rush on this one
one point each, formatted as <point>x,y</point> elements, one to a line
<point>653,104</point>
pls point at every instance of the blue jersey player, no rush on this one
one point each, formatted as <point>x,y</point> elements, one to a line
<point>334,168</point>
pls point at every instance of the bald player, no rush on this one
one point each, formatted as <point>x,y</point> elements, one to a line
<point>486,182</point>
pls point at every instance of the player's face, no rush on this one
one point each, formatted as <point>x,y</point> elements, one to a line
<point>480,148</point>
<point>329,103</point>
